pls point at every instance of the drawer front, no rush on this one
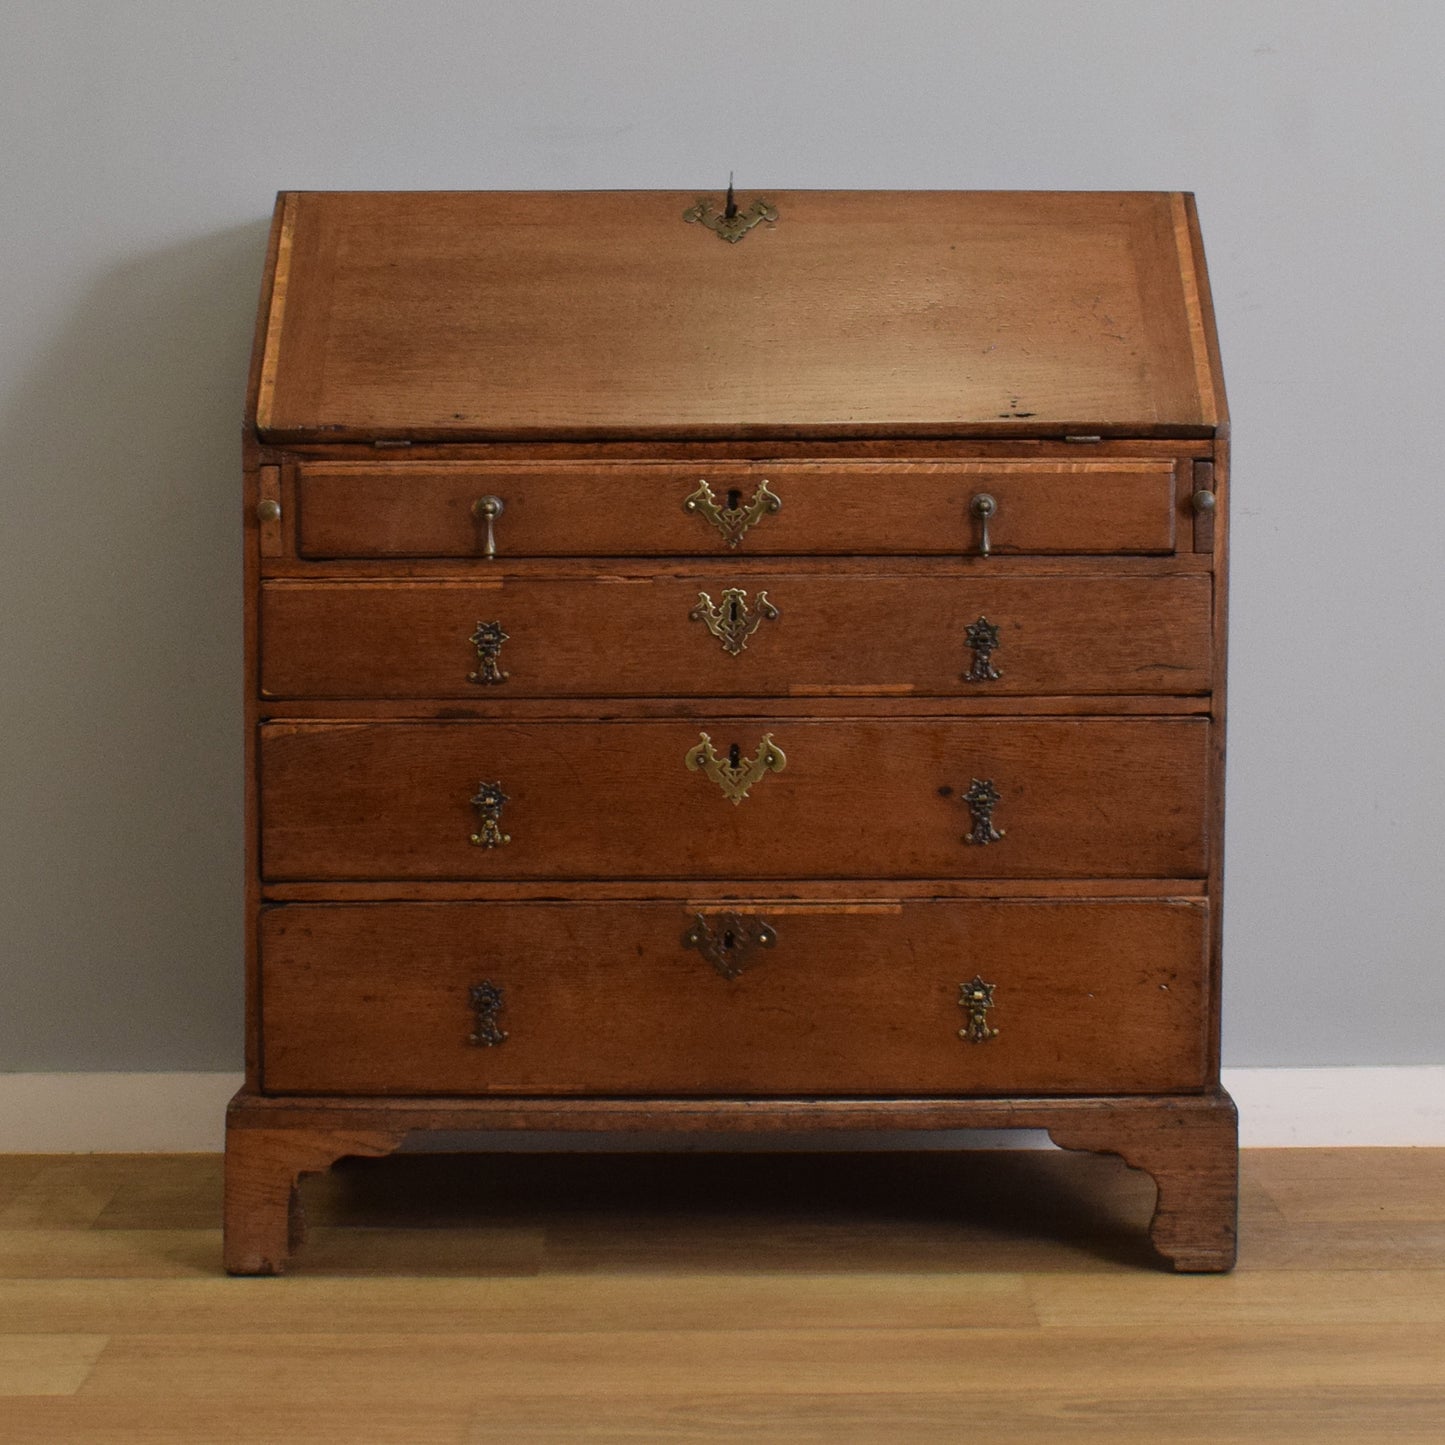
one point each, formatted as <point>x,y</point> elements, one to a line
<point>834,798</point>
<point>698,634</point>
<point>428,509</point>
<point>933,997</point>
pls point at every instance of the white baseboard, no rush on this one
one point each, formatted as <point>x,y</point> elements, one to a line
<point>182,1114</point>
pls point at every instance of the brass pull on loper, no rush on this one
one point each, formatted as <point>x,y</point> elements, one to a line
<point>983,506</point>
<point>488,509</point>
<point>1202,500</point>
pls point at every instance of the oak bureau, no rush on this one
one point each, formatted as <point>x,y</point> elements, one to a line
<point>734,663</point>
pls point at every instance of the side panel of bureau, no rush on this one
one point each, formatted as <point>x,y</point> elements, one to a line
<point>846,798</point>
<point>1083,997</point>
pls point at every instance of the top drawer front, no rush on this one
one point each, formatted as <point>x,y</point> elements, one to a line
<point>427,509</point>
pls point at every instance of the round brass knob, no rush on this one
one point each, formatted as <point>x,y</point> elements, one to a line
<point>1203,500</point>
<point>268,510</point>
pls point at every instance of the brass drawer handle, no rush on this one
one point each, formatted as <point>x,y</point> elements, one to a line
<point>982,638</point>
<point>734,519</point>
<point>729,940</point>
<point>733,775</point>
<point>976,999</point>
<point>268,509</point>
<point>729,620</point>
<point>983,506</point>
<point>982,798</point>
<point>488,640</point>
<point>488,509</point>
<point>486,1001</point>
<point>489,802</point>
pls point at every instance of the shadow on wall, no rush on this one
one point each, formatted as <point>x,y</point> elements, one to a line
<point>120,842</point>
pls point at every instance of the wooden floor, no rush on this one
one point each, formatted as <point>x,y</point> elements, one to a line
<point>996,1297</point>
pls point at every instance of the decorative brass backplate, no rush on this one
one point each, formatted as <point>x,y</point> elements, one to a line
<point>486,1001</point>
<point>489,802</point>
<point>488,640</point>
<point>733,775</point>
<point>729,940</point>
<point>730,223</point>
<point>982,798</point>
<point>982,637</point>
<point>729,620</point>
<point>976,998</point>
<point>734,519</point>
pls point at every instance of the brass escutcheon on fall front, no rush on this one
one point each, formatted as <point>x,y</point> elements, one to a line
<point>734,519</point>
<point>729,940</point>
<point>730,621</point>
<point>732,774</point>
<point>976,998</point>
<point>730,223</point>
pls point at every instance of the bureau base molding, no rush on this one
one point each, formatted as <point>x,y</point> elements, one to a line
<point>1351,1106</point>
<point>1187,1143</point>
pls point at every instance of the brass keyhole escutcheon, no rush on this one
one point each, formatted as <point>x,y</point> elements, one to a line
<point>732,222</point>
<point>731,621</point>
<point>736,775</point>
<point>734,519</point>
<point>729,940</point>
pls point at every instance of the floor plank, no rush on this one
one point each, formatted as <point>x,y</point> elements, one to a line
<point>49,1364</point>
<point>694,1298</point>
<point>455,1370</point>
<point>573,1303</point>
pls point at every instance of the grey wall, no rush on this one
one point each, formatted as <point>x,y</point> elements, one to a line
<point>141,147</point>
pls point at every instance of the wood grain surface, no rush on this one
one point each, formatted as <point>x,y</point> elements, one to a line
<point>860,998</point>
<point>879,361</point>
<point>598,508</point>
<point>857,798</point>
<point>640,634</point>
<point>454,315</point>
<point>816,1298</point>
